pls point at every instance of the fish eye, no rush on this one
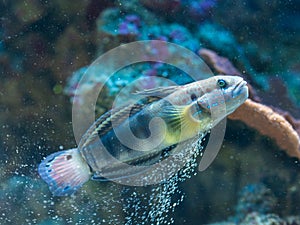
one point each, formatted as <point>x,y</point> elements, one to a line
<point>222,83</point>
<point>193,97</point>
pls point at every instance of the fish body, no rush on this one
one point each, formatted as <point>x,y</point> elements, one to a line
<point>139,134</point>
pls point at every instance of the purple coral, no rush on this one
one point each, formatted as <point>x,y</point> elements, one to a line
<point>178,35</point>
<point>130,25</point>
<point>133,19</point>
<point>199,9</point>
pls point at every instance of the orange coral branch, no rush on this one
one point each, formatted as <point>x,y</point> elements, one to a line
<point>274,123</point>
<point>269,123</point>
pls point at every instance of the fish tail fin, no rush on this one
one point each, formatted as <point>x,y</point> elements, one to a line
<point>64,171</point>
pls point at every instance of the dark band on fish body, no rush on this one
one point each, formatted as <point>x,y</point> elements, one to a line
<point>104,123</point>
<point>139,125</point>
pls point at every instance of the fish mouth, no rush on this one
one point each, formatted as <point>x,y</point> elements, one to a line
<point>239,88</point>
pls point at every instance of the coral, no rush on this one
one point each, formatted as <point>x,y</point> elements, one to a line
<point>115,28</point>
<point>276,124</point>
<point>130,25</point>
<point>121,79</point>
<point>174,33</point>
<point>260,219</point>
<point>219,64</point>
<point>257,205</point>
<point>269,123</point>
<point>254,198</point>
<point>197,10</point>
<point>218,38</point>
<point>293,220</point>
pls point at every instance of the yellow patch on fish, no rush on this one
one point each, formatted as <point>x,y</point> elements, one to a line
<point>182,124</point>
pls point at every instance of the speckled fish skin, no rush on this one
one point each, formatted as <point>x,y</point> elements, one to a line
<point>186,111</point>
<point>182,96</point>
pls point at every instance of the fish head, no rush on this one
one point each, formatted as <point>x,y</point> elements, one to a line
<point>221,95</point>
<point>234,90</point>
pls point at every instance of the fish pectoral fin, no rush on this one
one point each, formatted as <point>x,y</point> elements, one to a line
<point>159,92</point>
<point>173,115</point>
<point>178,116</point>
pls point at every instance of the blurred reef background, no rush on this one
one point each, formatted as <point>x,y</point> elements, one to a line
<point>45,48</point>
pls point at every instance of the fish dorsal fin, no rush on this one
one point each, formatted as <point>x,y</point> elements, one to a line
<point>104,124</point>
<point>159,92</point>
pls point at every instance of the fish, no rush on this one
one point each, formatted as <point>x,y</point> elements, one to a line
<point>143,133</point>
